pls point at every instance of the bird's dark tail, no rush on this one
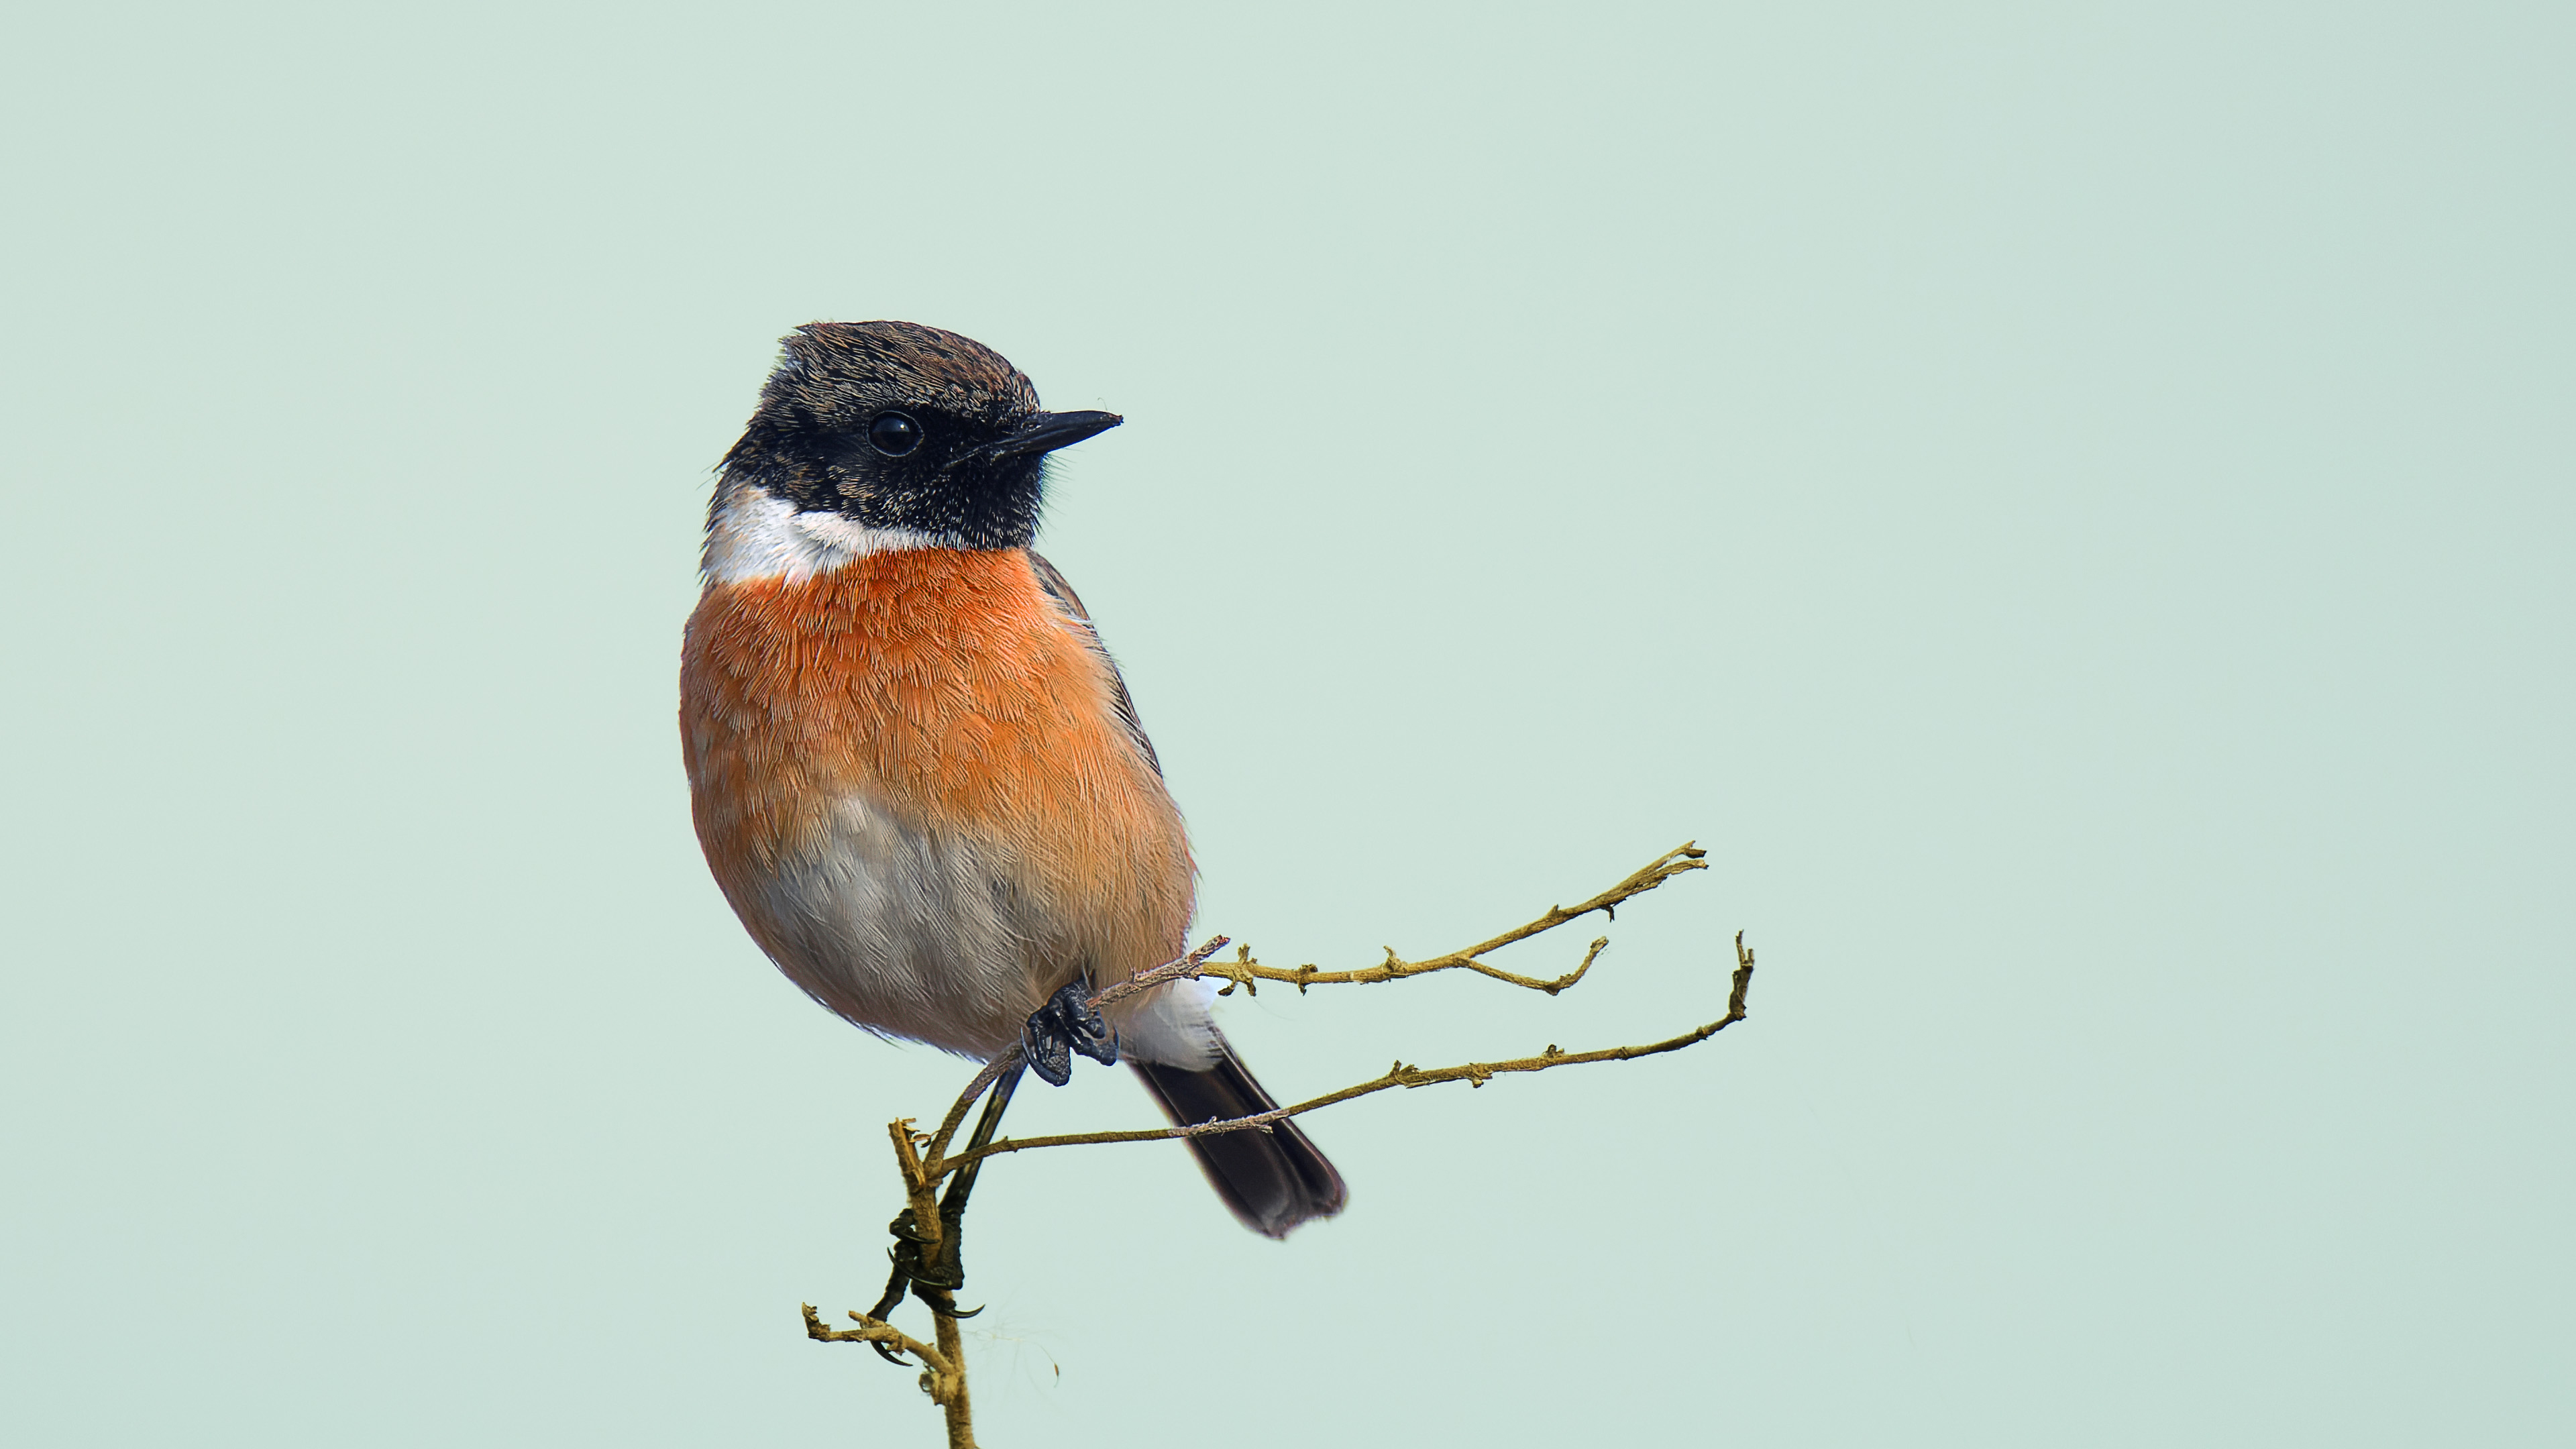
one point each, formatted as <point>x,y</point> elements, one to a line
<point>1272,1180</point>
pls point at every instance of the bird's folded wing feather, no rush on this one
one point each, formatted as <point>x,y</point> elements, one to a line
<point>1078,619</point>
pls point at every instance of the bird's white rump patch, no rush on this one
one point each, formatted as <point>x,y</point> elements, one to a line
<point>1173,1027</point>
<point>754,534</point>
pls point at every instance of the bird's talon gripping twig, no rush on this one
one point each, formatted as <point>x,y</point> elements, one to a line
<point>1067,1024</point>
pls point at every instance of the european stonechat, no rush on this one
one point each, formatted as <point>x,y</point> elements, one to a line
<point>917,774</point>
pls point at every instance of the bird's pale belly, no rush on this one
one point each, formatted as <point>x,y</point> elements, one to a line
<point>910,781</point>
<point>908,931</point>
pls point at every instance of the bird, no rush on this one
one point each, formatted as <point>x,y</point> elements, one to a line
<point>916,773</point>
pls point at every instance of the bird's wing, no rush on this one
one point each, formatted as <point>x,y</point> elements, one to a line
<point>1078,619</point>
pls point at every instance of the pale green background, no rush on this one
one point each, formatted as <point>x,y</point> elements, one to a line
<point>2072,506</point>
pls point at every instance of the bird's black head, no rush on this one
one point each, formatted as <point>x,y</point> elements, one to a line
<point>901,427</point>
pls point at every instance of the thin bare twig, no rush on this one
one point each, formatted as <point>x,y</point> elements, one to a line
<point>876,1330</point>
<point>1246,972</point>
<point>937,1142</point>
<point>1400,1075</point>
<point>923,1162</point>
<point>943,1375</point>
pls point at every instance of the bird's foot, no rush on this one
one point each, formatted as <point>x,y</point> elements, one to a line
<point>1067,1024</point>
<point>932,1273</point>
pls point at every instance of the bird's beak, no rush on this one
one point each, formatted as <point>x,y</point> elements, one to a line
<point>1046,433</point>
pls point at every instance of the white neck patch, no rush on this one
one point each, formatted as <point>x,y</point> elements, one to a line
<point>753,534</point>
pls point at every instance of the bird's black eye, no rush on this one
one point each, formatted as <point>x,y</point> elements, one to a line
<point>894,434</point>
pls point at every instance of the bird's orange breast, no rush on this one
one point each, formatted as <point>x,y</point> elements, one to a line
<point>942,687</point>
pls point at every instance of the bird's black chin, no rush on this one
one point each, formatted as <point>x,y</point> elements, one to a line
<point>1001,501</point>
<point>984,504</point>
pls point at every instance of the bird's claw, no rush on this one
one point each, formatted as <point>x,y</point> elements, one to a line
<point>1067,1024</point>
